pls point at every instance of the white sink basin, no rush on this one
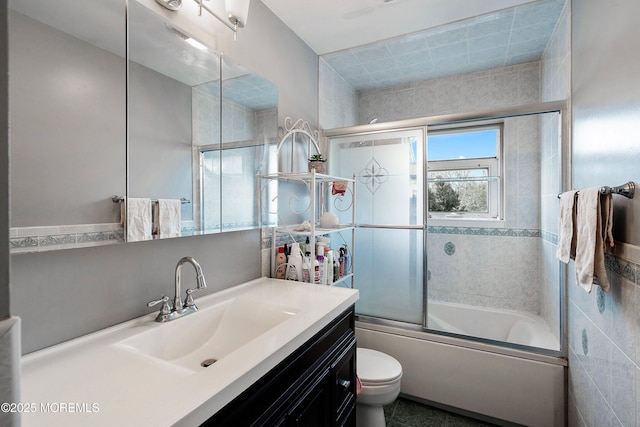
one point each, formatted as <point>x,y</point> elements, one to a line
<point>199,339</point>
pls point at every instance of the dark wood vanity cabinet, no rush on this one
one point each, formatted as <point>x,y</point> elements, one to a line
<point>314,386</point>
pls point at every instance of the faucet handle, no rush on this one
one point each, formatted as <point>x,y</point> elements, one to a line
<point>188,302</point>
<point>164,309</point>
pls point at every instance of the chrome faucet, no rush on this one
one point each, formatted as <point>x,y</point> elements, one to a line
<point>179,308</point>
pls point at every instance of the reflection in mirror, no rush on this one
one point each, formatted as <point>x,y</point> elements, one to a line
<point>249,139</point>
<point>165,70</point>
<point>178,112</point>
<point>67,100</point>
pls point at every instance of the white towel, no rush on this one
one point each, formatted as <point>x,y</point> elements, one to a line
<point>594,219</point>
<point>138,219</point>
<point>566,231</point>
<point>169,217</point>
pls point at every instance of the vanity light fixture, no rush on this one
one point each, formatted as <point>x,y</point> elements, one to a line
<point>237,13</point>
<point>171,4</point>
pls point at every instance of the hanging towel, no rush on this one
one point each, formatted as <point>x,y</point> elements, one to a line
<point>594,220</point>
<point>169,217</point>
<point>138,219</point>
<point>566,231</point>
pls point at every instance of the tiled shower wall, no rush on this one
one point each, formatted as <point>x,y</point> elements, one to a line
<point>604,328</point>
<point>486,90</point>
<point>338,100</point>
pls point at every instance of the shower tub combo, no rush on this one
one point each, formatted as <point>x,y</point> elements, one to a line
<point>484,379</point>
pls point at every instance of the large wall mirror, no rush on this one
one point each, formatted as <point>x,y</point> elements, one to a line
<point>176,122</point>
<point>200,130</point>
<point>67,98</point>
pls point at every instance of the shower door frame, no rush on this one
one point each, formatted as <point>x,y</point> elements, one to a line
<point>423,123</point>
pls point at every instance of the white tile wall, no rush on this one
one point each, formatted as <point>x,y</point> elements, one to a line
<point>338,100</point>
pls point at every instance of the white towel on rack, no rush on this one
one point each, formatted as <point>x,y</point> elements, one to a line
<point>594,220</point>
<point>169,217</point>
<point>566,231</point>
<point>138,219</point>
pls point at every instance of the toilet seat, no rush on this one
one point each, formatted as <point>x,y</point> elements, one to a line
<point>376,369</point>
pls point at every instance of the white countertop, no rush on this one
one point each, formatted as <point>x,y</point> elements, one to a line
<point>93,381</point>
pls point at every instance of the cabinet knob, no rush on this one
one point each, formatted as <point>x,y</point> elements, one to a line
<point>344,383</point>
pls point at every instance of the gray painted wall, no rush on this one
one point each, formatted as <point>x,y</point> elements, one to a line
<point>159,137</point>
<point>604,338</point>
<point>65,294</point>
<point>68,124</point>
<point>9,328</point>
<point>271,49</point>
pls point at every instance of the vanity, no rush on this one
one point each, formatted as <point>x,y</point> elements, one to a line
<point>269,352</point>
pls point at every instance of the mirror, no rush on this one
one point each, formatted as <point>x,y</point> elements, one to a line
<point>67,99</point>
<point>200,128</point>
<point>249,144</point>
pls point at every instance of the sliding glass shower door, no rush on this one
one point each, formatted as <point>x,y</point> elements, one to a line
<point>388,263</point>
<point>460,239</point>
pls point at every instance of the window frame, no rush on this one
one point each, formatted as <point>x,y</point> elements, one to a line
<point>494,165</point>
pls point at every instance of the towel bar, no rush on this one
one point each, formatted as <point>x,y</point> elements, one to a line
<point>118,199</point>
<point>627,190</point>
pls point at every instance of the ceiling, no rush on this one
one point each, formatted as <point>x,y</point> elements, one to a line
<point>384,43</point>
<point>332,25</point>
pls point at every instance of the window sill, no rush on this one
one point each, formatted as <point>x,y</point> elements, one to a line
<point>466,222</point>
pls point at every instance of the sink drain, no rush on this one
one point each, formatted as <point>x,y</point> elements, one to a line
<point>208,362</point>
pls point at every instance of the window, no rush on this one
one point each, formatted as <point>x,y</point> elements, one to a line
<point>463,172</point>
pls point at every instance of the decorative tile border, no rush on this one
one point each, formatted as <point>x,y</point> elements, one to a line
<point>549,237</point>
<point>623,268</point>
<point>478,231</point>
<point>39,239</point>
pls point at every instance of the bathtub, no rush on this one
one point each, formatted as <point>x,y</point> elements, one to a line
<point>477,378</point>
<point>500,325</point>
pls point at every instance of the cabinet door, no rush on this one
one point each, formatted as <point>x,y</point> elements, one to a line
<point>314,408</point>
<point>343,375</point>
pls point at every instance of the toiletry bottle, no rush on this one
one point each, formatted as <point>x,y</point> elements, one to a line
<point>294,263</point>
<point>316,270</point>
<point>336,266</point>
<point>347,260</point>
<point>341,261</point>
<point>306,268</point>
<point>328,266</point>
<point>281,263</point>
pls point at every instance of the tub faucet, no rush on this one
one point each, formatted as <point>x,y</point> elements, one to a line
<point>179,308</point>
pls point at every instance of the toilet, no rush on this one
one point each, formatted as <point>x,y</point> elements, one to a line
<point>380,376</point>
